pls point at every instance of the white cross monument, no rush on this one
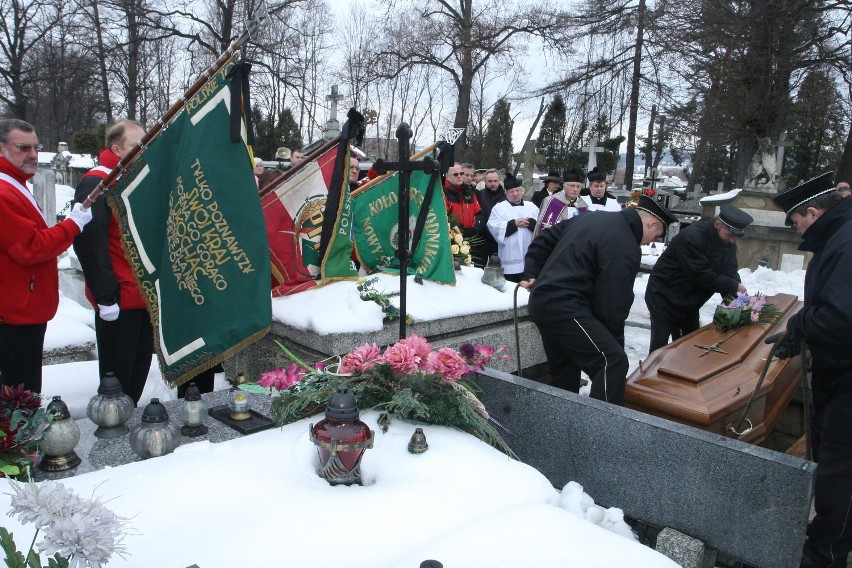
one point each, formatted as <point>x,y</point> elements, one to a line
<point>592,149</point>
<point>332,125</point>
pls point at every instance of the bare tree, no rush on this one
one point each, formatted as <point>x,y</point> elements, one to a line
<point>25,25</point>
<point>459,38</point>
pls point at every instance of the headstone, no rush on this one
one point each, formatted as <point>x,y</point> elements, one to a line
<point>44,191</point>
<point>791,262</point>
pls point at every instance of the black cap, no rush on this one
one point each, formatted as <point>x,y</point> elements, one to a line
<point>803,192</point>
<point>552,175</point>
<point>596,175</point>
<point>650,206</point>
<point>511,182</point>
<point>573,175</point>
<point>735,219</point>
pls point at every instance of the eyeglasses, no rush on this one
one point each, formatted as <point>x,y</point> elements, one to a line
<point>456,174</point>
<point>27,148</point>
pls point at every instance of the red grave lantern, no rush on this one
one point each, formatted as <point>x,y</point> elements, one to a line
<point>341,440</point>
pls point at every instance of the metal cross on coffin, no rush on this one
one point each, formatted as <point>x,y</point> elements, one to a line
<point>714,347</point>
<point>404,167</point>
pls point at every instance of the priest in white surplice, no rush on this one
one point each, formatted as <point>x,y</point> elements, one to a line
<point>512,223</point>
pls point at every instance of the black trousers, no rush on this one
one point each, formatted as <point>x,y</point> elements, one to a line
<point>830,531</point>
<point>21,348</point>
<point>662,328</point>
<point>125,348</point>
<point>582,343</point>
<point>203,380</point>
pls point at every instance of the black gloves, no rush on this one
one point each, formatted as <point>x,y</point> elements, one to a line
<point>790,344</point>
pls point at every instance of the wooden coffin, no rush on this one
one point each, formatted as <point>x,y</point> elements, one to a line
<point>706,378</point>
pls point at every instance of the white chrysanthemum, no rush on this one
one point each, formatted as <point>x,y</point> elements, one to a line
<point>81,530</point>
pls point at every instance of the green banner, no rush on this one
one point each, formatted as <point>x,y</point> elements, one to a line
<point>337,264</point>
<point>192,225</point>
<point>375,224</point>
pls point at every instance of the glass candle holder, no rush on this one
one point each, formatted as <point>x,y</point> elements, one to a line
<point>154,436</point>
<point>193,413</point>
<point>110,409</point>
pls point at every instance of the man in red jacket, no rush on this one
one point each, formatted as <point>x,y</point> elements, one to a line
<point>462,203</point>
<point>29,277</point>
<point>124,332</point>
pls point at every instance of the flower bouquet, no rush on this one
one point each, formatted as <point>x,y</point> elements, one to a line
<point>742,310</point>
<point>408,380</point>
<point>459,246</point>
<point>22,425</point>
<point>76,531</point>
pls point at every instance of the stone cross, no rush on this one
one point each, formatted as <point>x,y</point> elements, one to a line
<point>529,158</point>
<point>332,125</point>
<point>779,157</point>
<point>592,149</point>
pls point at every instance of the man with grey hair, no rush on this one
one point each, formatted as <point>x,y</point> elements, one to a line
<point>29,276</point>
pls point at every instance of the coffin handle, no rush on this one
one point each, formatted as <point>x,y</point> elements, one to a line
<point>734,431</point>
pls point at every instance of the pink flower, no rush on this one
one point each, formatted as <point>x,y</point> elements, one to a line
<point>420,346</point>
<point>363,358</point>
<point>448,362</point>
<point>402,358</point>
<point>281,379</point>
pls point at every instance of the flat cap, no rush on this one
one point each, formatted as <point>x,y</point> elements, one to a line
<point>650,206</point>
<point>735,219</point>
<point>803,192</point>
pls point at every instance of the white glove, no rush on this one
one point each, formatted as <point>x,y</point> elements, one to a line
<point>80,216</point>
<point>108,313</point>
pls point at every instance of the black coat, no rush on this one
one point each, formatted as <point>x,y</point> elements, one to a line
<point>826,319</point>
<point>695,265</point>
<point>584,265</point>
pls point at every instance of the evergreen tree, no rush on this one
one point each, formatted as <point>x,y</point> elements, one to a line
<point>289,132</point>
<point>551,141</point>
<point>497,143</point>
<point>816,128</point>
<point>271,134</point>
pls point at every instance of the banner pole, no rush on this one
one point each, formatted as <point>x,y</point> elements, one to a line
<point>221,61</point>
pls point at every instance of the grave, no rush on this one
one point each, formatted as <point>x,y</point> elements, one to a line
<point>747,502</point>
<point>743,501</point>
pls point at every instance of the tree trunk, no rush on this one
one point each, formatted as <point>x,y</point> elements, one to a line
<point>96,18</point>
<point>634,96</point>
<point>844,169</point>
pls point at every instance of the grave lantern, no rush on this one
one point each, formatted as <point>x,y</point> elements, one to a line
<point>192,413</point>
<point>110,409</point>
<point>59,439</point>
<point>341,440</point>
<point>492,274</point>
<point>154,436</point>
<point>238,402</point>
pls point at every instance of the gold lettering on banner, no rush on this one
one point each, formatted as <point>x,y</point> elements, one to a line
<point>430,242</point>
<point>199,239</point>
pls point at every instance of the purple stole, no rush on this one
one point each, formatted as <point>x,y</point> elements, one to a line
<point>551,214</point>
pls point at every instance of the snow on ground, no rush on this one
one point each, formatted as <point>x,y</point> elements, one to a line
<point>437,505</point>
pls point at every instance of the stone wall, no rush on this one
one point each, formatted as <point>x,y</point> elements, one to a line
<point>747,502</point>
